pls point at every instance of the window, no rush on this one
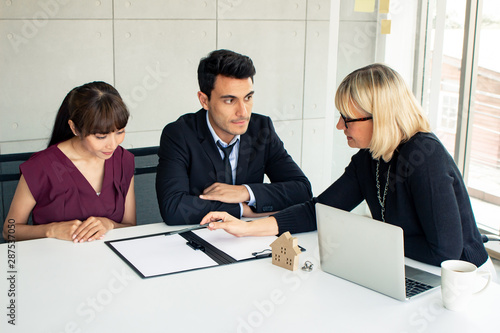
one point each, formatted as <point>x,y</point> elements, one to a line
<point>447,112</point>
<point>461,94</point>
<point>484,161</point>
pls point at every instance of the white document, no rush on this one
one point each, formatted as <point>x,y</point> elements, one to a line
<point>237,247</point>
<point>158,255</point>
<point>169,253</point>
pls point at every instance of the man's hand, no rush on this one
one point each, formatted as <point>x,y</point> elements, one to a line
<point>226,193</point>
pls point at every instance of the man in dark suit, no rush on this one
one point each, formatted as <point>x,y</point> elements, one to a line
<point>215,159</point>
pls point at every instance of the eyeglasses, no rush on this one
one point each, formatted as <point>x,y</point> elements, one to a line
<point>349,120</point>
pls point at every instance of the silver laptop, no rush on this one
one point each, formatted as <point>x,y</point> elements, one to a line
<point>369,253</point>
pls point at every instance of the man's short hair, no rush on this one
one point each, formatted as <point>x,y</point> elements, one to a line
<point>225,63</point>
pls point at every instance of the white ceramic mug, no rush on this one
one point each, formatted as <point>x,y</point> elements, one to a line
<point>459,280</point>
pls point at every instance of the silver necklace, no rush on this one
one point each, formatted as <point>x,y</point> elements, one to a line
<point>381,200</point>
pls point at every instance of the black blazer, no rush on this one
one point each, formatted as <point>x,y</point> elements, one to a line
<point>189,162</point>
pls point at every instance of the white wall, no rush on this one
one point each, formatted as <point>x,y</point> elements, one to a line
<point>149,50</point>
<point>356,48</point>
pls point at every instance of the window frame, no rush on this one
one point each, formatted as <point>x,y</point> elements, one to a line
<point>468,76</point>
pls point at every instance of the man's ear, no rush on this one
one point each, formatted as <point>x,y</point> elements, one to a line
<point>203,100</point>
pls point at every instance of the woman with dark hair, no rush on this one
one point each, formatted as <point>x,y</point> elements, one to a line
<point>82,185</point>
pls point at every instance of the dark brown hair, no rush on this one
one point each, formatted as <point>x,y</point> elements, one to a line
<point>94,107</point>
<point>226,63</point>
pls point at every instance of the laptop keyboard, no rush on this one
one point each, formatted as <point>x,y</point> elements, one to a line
<point>414,287</point>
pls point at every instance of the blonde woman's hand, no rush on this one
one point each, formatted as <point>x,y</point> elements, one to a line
<point>267,226</point>
<point>223,220</point>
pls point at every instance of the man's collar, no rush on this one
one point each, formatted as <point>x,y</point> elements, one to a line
<point>216,137</point>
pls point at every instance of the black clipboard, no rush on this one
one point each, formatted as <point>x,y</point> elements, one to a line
<point>172,252</point>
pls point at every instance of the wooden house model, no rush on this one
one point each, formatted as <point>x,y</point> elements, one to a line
<point>286,251</point>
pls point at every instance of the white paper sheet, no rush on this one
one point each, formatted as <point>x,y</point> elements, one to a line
<point>237,247</point>
<point>162,254</point>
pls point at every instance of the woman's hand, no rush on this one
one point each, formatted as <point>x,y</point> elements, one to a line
<point>81,231</point>
<point>91,229</point>
<point>63,230</point>
<point>222,220</point>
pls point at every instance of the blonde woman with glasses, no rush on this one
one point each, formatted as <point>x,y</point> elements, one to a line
<point>402,170</point>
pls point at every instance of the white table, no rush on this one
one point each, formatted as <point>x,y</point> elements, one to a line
<point>66,287</point>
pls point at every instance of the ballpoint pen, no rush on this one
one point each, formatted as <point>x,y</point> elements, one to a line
<point>196,227</point>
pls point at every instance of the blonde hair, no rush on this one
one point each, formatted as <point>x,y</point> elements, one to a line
<point>379,91</point>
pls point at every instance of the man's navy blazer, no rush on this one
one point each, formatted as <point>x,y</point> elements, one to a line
<point>189,162</point>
